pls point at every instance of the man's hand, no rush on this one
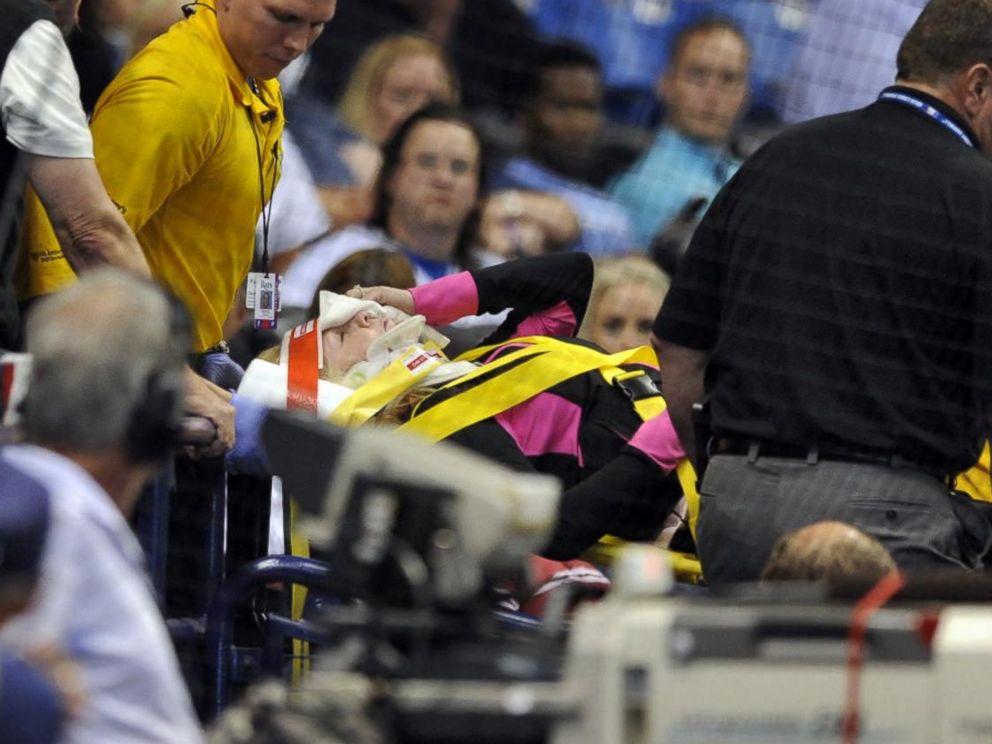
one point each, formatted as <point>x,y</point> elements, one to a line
<point>205,399</point>
<point>527,223</point>
<point>398,298</point>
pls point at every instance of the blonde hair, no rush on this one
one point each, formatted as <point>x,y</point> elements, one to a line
<point>271,354</point>
<point>356,106</point>
<point>614,272</point>
<point>400,409</point>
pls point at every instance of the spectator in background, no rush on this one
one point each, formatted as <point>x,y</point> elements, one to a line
<point>100,416</point>
<point>109,33</point>
<point>626,296</point>
<point>393,78</point>
<point>828,551</point>
<point>427,202</point>
<point>146,20</point>
<point>46,140</point>
<point>704,90</point>
<point>563,125</point>
<point>492,44</point>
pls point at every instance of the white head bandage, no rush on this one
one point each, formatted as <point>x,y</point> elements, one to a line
<point>337,310</point>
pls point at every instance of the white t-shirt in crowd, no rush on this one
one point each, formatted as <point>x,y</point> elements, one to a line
<point>39,97</point>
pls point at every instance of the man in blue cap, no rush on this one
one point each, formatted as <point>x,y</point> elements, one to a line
<point>32,708</point>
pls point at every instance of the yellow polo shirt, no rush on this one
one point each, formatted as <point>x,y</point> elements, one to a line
<point>179,137</point>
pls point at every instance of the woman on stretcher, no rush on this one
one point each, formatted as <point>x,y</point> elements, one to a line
<point>533,397</point>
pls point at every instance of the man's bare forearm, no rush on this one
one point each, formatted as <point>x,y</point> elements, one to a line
<point>682,371</point>
<point>99,240</point>
<point>90,229</point>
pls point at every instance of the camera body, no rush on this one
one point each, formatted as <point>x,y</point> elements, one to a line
<point>440,665</point>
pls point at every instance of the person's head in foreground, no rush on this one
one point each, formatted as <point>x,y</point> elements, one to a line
<point>948,53</point>
<point>828,551</point>
<point>106,384</point>
<point>626,296</point>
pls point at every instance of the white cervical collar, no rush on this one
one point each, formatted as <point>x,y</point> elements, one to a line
<point>404,338</point>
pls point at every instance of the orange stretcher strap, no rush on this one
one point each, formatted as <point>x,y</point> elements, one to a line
<point>303,363</point>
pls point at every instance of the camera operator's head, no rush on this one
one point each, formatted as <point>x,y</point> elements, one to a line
<point>106,386</point>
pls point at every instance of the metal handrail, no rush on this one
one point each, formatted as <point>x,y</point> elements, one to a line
<point>241,585</point>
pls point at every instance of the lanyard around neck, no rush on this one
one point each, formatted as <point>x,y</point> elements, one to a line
<point>266,208</point>
<point>928,110</point>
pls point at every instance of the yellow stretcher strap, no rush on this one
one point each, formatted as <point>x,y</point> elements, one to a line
<point>518,376</point>
<point>396,378</point>
<point>646,408</point>
<point>685,566</point>
<point>976,481</point>
<point>298,546</point>
<point>686,474</point>
<point>531,370</point>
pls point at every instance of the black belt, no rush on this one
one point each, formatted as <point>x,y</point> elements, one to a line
<point>754,448</point>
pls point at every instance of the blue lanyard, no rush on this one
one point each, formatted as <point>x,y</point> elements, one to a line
<point>930,111</point>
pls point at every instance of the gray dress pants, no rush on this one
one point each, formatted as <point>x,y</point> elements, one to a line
<point>745,506</point>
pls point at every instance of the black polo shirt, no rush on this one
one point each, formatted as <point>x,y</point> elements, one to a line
<point>841,283</point>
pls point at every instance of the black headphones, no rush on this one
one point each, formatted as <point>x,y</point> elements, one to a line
<point>153,427</point>
<point>189,9</point>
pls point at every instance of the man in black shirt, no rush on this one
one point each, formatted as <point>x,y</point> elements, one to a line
<point>835,306</point>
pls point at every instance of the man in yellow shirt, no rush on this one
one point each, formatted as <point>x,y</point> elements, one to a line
<point>186,140</point>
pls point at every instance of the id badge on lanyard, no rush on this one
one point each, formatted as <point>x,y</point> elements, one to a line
<point>263,296</point>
